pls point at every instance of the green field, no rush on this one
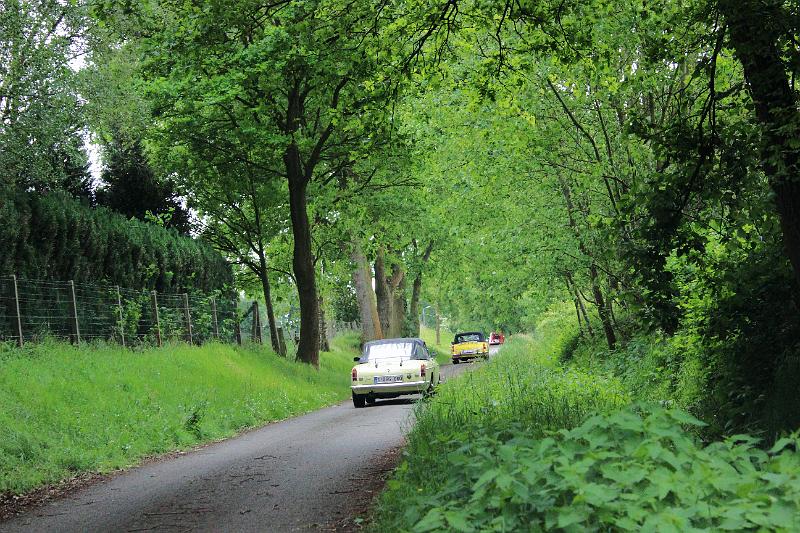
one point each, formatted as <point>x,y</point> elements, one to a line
<point>65,411</point>
<point>530,443</point>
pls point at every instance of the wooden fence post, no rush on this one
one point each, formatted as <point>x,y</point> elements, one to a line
<point>76,330</point>
<point>237,329</point>
<point>121,318</point>
<point>214,323</point>
<point>281,341</point>
<point>187,317</point>
<point>154,301</point>
<point>20,342</point>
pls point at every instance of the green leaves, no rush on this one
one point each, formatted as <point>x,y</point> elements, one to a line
<point>662,490</point>
<point>510,457</point>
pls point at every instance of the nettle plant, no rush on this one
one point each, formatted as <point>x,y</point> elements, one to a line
<point>636,469</point>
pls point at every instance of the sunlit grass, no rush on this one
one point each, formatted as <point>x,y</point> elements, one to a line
<point>66,410</point>
<point>442,349</point>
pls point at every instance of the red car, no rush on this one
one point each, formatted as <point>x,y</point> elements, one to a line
<point>496,338</point>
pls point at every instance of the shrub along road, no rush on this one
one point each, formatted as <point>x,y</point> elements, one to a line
<point>309,472</point>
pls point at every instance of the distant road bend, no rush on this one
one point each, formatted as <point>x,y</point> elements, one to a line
<point>304,474</point>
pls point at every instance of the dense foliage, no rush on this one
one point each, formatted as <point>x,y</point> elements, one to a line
<point>479,160</point>
<point>54,237</point>
<point>530,444</point>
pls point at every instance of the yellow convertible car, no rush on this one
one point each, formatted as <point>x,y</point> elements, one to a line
<point>466,346</point>
<point>393,367</point>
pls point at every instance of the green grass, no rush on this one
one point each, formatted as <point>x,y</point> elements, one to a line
<point>442,350</point>
<point>523,390</point>
<point>528,442</point>
<point>65,410</point>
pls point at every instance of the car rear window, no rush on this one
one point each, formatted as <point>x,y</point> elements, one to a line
<point>388,350</point>
<point>469,337</point>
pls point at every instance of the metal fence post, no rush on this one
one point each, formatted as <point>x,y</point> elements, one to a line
<point>154,301</point>
<point>188,317</point>
<point>121,318</point>
<point>76,330</point>
<point>214,324</point>
<point>20,342</point>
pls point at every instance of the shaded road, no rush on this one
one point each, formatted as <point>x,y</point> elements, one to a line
<point>306,473</point>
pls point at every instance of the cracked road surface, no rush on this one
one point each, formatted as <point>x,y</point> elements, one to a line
<point>305,473</point>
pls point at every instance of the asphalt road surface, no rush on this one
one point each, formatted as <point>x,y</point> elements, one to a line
<point>305,473</point>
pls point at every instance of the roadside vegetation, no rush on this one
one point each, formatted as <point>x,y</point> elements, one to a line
<point>442,350</point>
<point>65,411</point>
<point>533,442</point>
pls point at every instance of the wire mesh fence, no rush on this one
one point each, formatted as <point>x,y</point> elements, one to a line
<point>31,310</point>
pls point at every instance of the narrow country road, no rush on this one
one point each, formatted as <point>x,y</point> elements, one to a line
<point>306,473</point>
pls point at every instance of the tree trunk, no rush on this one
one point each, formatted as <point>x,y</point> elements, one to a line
<point>416,291</point>
<point>390,296</point>
<point>365,295</point>
<point>383,294</point>
<point>578,314</point>
<point>438,328</point>
<point>273,328</point>
<point>413,309</point>
<point>323,329</point>
<point>397,325</point>
<point>303,259</point>
<point>602,309</point>
<point>755,30</point>
<point>579,302</point>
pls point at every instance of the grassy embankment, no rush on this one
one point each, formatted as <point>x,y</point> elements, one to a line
<point>527,442</point>
<point>65,411</point>
<point>442,350</point>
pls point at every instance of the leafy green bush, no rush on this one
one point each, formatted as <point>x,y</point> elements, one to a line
<point>633,470</point>
<point>524,443</point>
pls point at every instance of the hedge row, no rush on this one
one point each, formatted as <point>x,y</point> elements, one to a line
<point>52,236</point>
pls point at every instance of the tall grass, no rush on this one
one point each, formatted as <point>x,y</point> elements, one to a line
<point>67,410</point>
<point>522,391</point>
<point>527,443</point>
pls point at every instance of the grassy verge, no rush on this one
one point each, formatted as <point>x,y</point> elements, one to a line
<point>526,443</point>
<point>65,410</point>
<point>442,349</point>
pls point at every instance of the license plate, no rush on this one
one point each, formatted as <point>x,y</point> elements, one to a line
<point>388,379</point>
<point>467,351</point>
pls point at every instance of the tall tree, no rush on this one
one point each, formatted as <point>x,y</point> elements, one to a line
<point>41,123</point>
<point>294,90</point>
<point>764,36</point>
<point>131,187</point>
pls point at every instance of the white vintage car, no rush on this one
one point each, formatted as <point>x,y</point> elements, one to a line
<point>393,367</point>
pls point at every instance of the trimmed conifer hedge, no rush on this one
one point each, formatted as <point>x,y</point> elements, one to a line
<point>54,237</point>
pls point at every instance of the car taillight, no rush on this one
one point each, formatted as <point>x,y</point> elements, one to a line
<point>484,346</point>
<point>355,374</point>
<point>422,370</point>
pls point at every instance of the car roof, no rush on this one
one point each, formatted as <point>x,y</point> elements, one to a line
<point>469,333</point>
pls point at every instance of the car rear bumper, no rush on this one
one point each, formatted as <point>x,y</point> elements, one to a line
<point>405,387</point>
<point>470,355</point>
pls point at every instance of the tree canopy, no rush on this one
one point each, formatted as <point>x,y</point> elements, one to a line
<point>487,159</point>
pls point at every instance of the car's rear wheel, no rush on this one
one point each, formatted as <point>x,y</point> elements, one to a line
<point>359,400</point>
<point>456,360</point>
<point>370,400</point>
